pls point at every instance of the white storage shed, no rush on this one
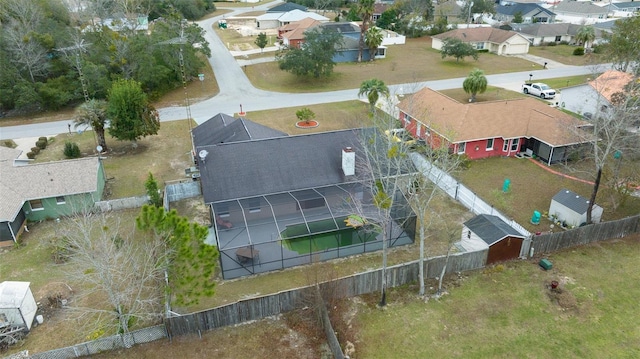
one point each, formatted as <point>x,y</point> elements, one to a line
<point>17,305</point>
<point>571,208</point>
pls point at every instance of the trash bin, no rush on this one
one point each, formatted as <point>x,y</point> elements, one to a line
<point>545,264</point>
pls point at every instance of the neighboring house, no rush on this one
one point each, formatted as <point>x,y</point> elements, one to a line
<point>492,128</point>
<point>286,7</point>
<point>17,305</point>
<point>378,9</point>
<point>274,20</point>
<point>34,192</point>
<point>501,42</point>
<point>292,34</point>
<point>624,9</point>
<point>594,98</point>
<point>570,208</point>
<point>580,12</point>
<point>504,241</point>
<point>450,10</point>
<point>268,196</point>
<point>540,34</point>
<point>121,22</point>
<point>609,83</point>
<point>531,13</point>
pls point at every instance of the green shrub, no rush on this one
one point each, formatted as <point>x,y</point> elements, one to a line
<point>42,138</point>
<point>551,43</point>
<point>483,51</point>
<point>597,49</point>
<point>42,144</point>
<point>9,143</point>
<point>579,51</point>
<point>564,42</point>
<point>31,155</point>
<point>35,150</point>
<point>71,150</point>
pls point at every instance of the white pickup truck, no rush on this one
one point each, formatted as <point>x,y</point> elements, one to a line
<point>539,89</point>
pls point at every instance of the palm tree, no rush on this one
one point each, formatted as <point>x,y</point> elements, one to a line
<point>373,88</point>
<point>475,83</point>
<point>93,113</point>
<point>586,35</point>
<point>364,9</point>
<point>373,39</point>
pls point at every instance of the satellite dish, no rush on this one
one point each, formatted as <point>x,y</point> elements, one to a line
<point>203,154</point>
<point>99,149</point>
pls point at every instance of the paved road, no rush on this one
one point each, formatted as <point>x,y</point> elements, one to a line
<point>236,89</point>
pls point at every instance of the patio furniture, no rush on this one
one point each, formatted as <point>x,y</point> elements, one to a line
<point>247,254</point>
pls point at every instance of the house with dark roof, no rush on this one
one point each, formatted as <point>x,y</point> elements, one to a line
<point>580,12</point>
<point>539,34</point>
<point>286,7</point>
<point>492,128</point>
<point>504,241</point>
<point>281,201</point>
<point>34,192</point>
<point>570,209</point>
<point>531,13</point>
<point>501,42</point>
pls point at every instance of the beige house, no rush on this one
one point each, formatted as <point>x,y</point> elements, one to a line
<point>501,42</point>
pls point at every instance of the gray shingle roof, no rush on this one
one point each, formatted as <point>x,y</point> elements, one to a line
<point>223,128</point>
<point>491,228</point>
<point>525,9</point>
<point>579,7</point>
<point>286,7</point>
<point>258,167</point>
<point>42,180</point>
<point>572,200</point>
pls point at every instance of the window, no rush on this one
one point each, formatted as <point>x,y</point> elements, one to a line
<point>479,45</point>
<point>558,38</point>
<point>60,200</point>
<point>36,205</point>
<point>461,147</point>
<point>406,118</point>
<point>515,144</point>
<point>490,144</point>
<point>254,205</point>
<point>505,146</point>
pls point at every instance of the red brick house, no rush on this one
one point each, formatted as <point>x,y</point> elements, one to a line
<point>492,128</point>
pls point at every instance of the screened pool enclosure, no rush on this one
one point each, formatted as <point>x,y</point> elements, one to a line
<point>277,231</point>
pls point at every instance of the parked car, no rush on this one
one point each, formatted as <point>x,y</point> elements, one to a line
<point>539,89</point>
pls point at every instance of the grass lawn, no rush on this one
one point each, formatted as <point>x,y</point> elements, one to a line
<point>532,188</point>
<point>166,155</point>
<point>508,311</point>
<point>412,62</point>
<point>492,94</point>
<point>564,55</point>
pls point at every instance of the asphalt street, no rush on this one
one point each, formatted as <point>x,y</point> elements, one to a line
<point>236,89</point>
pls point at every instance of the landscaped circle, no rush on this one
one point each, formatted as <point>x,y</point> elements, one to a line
<point>307,124</point>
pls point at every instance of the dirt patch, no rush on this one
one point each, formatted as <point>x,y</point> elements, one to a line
<point>559,295</point>
<point>52,297</point>
<point>194,209</point>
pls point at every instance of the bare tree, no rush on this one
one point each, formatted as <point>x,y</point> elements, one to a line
<point>384,168</point>
<point>126,273</point>
<point>612,135</point>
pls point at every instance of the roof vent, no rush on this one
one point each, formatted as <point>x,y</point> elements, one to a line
<point>348,161</point>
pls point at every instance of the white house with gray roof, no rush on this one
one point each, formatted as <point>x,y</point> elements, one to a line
<point>39,191</point>
<point>580,12</point>
<point>570,208</point>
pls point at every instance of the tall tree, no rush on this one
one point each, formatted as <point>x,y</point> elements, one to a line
<point>115,268</point>
<point>373,39</point>
<point>373,88</point>
<point>190,262</point>
<point>517,17</point>
<point>364,9</point>
<point>586,34</point>
<point>315,57</point>
<point>132,116</point>
<point>261,41</point>
<point>623,47</point>
<point>457,48</point>
<point>93,113</point>
<point>475,83</point>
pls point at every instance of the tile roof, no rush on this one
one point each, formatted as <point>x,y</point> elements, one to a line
<point>275,165</point>
<point>302,24</point>
<point>491,229</point>
<point>42,180</point>
<point>478,34</point>
<point>610,82</point>
<point>517,118</point>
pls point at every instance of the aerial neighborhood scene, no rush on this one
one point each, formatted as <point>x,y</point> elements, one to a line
<point>319,179</point>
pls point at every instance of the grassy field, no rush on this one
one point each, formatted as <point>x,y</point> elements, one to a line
<point>508,311</point>
<point>166,155</point>
<point>564,54</point>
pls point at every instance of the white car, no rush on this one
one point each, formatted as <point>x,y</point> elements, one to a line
<point>539,89</point>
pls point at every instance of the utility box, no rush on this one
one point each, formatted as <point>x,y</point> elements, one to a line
<point>545,264</point>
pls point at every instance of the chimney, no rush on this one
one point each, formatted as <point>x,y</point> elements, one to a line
<point>348,161</point>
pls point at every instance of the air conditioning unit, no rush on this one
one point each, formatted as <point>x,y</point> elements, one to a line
<point>195,175</point>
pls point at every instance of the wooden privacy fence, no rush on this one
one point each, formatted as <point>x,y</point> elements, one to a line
<point>358,284</point>
<point>552,242</point>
